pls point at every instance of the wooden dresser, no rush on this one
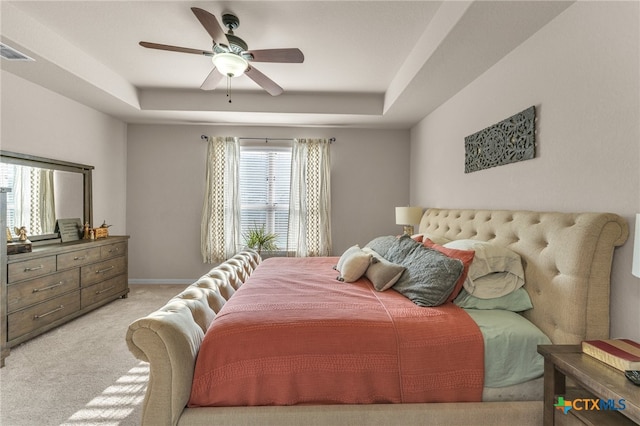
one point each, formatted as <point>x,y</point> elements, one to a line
<point>56,283</point>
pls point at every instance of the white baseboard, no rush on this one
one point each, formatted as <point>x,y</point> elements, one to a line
<point>161,281</point>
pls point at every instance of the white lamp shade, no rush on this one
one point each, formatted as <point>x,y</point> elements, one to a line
<point>635,270</point>
<point>408,215</point>
<point>230,64</point>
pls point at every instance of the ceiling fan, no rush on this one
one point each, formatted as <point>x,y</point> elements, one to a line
<point>230,54</point>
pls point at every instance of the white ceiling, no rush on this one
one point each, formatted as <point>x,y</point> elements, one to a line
<point>367,63</point>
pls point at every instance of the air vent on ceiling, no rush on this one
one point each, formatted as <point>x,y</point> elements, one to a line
<point>12,54</point>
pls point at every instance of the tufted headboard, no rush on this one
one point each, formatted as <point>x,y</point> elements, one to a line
<point>566,256</point>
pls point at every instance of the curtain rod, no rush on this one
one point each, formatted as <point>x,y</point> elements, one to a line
<point>206,138</point>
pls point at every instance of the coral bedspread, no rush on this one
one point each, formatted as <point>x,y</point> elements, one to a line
<point>293,334</point>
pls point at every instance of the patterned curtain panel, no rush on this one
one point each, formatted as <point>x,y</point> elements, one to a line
<point>47,203</point>
<point>29,199</point>
<point>310,204</point>
<point>220,229</point>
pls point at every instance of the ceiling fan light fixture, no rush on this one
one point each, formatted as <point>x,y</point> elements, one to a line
<point>230,64</point>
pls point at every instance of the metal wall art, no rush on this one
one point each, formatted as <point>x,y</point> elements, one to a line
<point>506,142</point>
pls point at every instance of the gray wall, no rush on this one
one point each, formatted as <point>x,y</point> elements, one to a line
<point>585,87</point>
<point>165,189</point>
<point>40,122</point>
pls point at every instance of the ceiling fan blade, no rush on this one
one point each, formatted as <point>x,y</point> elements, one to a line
<point>211,24</point>
<point>175,48</point>
<point>278,55</point>
<point>212,80</point>
<point>263,81</point>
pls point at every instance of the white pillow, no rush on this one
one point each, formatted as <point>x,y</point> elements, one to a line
<point>347,253</point>
<point>495,270</point>
<point>353,264</point>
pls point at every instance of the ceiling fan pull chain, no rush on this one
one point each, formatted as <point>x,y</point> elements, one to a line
<point>229,88</point>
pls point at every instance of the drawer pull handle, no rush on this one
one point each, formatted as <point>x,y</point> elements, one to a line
<point>33,269</point>
<point>113,249</point>
<point>102,271</point>
<point>59,308</point>
<point>51,287</point>
<point>106,289</point>
<point>80,258</point>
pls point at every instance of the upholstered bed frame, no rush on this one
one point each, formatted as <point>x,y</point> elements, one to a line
<point>567,260</point>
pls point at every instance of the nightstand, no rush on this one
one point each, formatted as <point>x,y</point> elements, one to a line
<point>581,380</point>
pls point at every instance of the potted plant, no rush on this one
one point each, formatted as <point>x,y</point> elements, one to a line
<point>258,239</point>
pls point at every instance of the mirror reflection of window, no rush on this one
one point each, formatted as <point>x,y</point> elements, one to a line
<point>31,200</point>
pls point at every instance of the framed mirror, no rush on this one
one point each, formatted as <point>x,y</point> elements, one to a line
<point>44,190</point>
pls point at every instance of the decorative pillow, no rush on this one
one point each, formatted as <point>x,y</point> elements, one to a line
<point>430,276</point>
<point>354,265</point>
<point>399,249</point>
<point>382,273</point>
<point>347,253</point>
<point>382,244</point>
<point>516,301</point>
<point>489,259</point>
<point>465,256</point>
<point>496,284</point>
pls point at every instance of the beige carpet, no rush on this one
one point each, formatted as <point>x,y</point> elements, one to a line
<point>81,373</point>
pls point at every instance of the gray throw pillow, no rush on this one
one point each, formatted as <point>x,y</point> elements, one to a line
<point>382,273</point>
<point>382,244</point>
<point>430,276</point>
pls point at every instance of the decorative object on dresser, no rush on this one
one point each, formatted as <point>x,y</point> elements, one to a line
<point>509,141</point>
<point>23,245</point>
<point>407,217</point>
<point>69,229</point>
<point>102,231</point>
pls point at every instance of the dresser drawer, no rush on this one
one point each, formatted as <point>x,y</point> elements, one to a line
<point>101,271</point>
<point>39,289</point>
<point>102,291</point>
<point>113,250</point>
<point>30,319</point>
<point>31,268</point>
<point>78,258</point>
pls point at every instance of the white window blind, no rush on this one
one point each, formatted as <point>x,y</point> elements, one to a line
<point>7,178</point>
<point>265,181</point>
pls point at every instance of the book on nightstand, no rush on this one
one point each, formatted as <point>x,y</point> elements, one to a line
<point>623,354</point>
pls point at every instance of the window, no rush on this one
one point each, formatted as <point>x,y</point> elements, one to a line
<point>286,190</point>
<point>7,177</point>
<point>265,181</point>
<point>31,200</point>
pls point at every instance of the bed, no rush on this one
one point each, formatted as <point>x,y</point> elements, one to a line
<point>566,260</point>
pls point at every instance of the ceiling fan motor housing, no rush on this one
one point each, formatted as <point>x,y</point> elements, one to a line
<point>236,44</point>
<point>230,21</point>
